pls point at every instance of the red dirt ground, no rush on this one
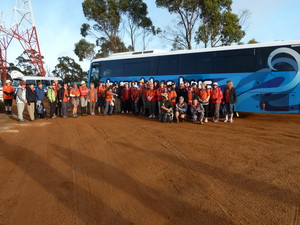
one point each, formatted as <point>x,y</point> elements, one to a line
<point>124,169</point>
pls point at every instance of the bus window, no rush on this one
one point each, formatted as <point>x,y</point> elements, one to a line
<point>112,68</point>
<point>239,61</point>
<point>30,82</point>
<point>95,73</point>
<point>168,65</point>
<point>45,82</point>
<point>197,63</point>
<point>137,67</point>
<point>16,82</point>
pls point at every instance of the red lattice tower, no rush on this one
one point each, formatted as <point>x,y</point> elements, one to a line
<point>21,27</point>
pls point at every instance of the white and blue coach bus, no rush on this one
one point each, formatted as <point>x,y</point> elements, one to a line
<point>266,76</point>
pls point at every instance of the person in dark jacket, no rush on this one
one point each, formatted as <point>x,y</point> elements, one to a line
<point>40,95</point>
<point>182,92</point>
<point>31,100</point>
<point>230,98</point>
<point>64,97</point>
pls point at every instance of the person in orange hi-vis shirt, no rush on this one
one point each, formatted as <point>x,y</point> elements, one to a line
<point>172,94</point>
<point>135,96</point>
<point>83,98</point>
<point>216,96</point>
<point>204,96</point>
<point>125,98</point>
<point>109,101</point>
<point>92,98</point>
<point>152,100</point>
<point>75,97</point>
<point>8,95</point>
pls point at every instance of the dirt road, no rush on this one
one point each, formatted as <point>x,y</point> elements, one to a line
<point>131,170</point>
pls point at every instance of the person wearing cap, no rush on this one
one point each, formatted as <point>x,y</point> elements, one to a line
<point>152,100</point>
<point>216,96</point>
<point>166,108</point>
<point>204,96</point>
<point>180,109</point>
<point>197,110</point>
<point>230,98</point>
<point>75,97</point>
<point>52,97</point>
<point>40,95</point>
<point>83,98</point>
<point>64,97</point>
<point>31,101</point>
<point>21,100</point>
<point>92,98</point>
<point>8,95</point>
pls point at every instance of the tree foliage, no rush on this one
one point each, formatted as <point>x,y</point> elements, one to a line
<point>84,50</point>
<point>25,65</point>
<point>219,25</point>
<point>68,70</point>
<point>189,12</point>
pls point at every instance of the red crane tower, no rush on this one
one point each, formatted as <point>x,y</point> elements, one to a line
<point>18,23</point>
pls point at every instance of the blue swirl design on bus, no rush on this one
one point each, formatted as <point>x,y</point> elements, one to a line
<point>267,90</point>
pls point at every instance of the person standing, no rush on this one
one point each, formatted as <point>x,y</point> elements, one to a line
<point>109,101</point>
<point>75,96</point>
<point>83,98</point>
<point>52,97</point>
<point>204,96</point>
<point>92,98</point>
<point>161,90</point>
<point>117,91</point>
<point>230,98</point>
<point>125,98</point>
<point>135,95</point>
<point>40,95</point>
<point>21,100</point>
<point>152,100</point>
<point>31,100</point>
<point>64,98</point>
<point>216,96</point>
<point>8,95</point>
<point>101,98</point>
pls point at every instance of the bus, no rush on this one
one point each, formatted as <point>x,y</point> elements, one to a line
<point>266,75</point>
<point>46,81</point>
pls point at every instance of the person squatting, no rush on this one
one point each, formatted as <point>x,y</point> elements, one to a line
<point>168,103</point>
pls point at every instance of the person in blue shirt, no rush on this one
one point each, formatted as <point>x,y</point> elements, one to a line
<point>40,95</point>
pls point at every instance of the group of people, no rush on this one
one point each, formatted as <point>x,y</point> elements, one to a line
<point>167,102</point>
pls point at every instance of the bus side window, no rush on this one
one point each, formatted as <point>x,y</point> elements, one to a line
<point>46,83</point>
<point>30,82</point>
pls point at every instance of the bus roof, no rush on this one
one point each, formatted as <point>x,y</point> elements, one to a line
<point>151,53</point>
<point>36,78</point>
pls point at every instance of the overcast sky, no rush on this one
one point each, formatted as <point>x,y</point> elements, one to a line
<point>58,24</point>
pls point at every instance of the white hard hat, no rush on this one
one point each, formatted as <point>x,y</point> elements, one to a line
<point>215,83</point>
<point>8,81</point>
<point>83,82</point>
